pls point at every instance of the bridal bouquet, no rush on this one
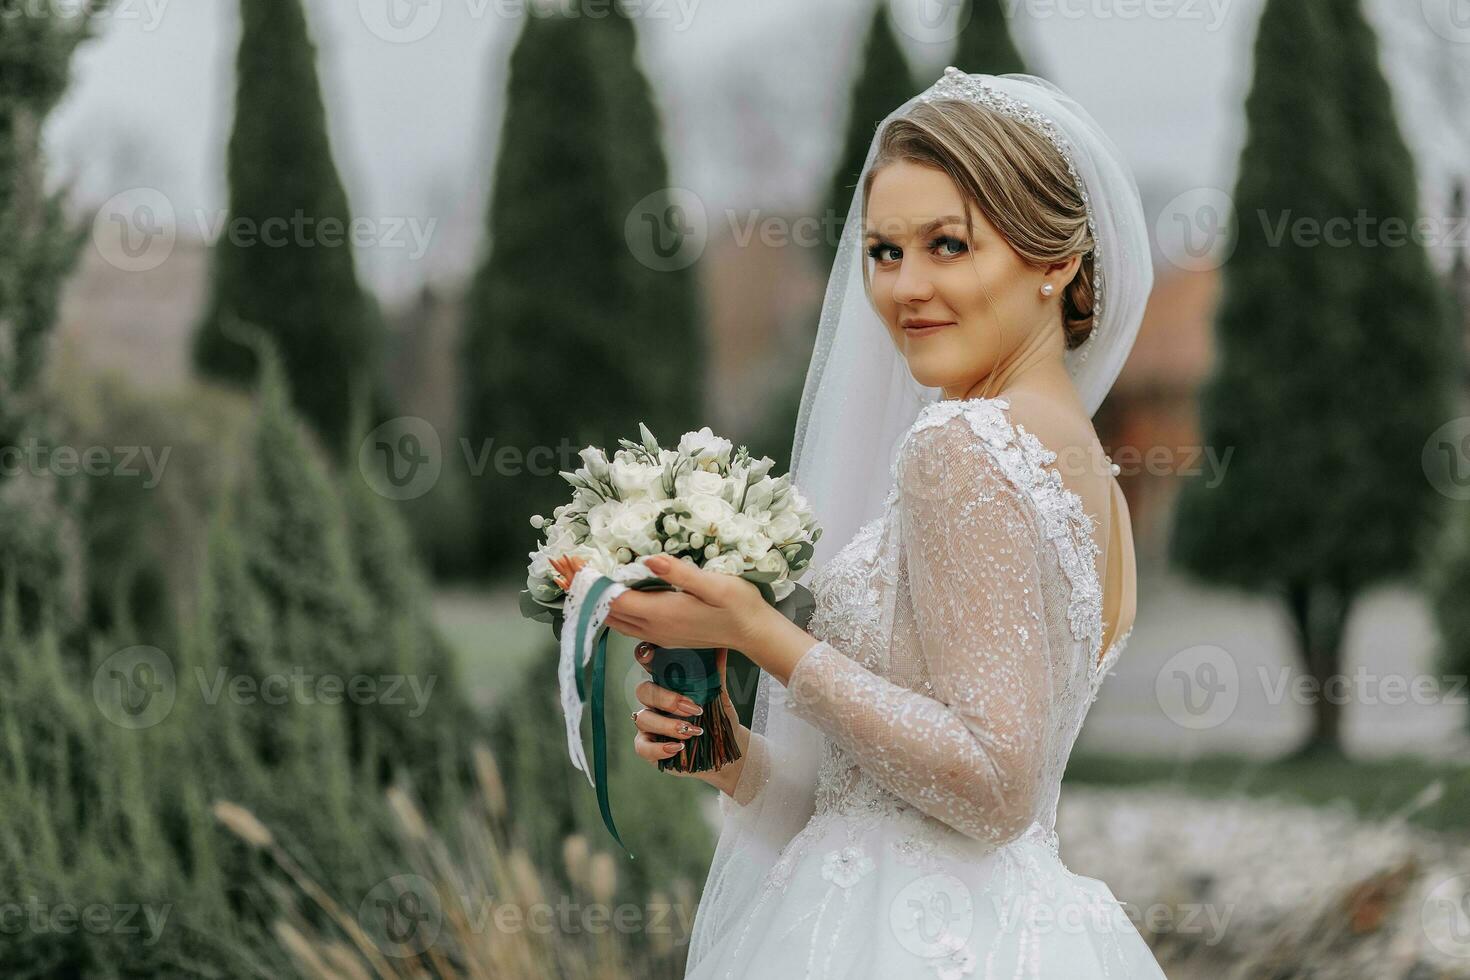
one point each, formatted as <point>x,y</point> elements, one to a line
<point>703,502</point>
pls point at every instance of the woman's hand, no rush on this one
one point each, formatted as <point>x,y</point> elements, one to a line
<point>710,609</point>
<point>661,737</point>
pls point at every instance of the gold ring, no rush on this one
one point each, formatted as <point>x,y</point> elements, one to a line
<point>635,716</point>
<point>642,648</point>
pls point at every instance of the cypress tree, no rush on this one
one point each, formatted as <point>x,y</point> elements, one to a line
<point>284,259</point>
<point>569,340</point>
<point>1331,350</point>
<point>883,83</point>
<point>985,44</point>
<point>37,525</point>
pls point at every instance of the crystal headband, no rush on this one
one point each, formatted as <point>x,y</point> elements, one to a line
<point>955,84</point>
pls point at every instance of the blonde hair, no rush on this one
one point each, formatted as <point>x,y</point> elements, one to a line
<point>1014,176</point>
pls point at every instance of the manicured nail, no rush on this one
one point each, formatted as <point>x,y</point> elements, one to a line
<point>674,748</point>
<point>687,707</point>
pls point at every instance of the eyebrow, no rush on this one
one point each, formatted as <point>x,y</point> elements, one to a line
<point>930,226</point>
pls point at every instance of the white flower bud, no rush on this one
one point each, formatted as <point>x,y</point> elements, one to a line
<point>625,555</point>
<point>671,524</point>
<point>537,521</point>
<point>696,540</point>
<point>712,551</point>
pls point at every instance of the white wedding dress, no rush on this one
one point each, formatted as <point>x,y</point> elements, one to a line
<point>959,649</point>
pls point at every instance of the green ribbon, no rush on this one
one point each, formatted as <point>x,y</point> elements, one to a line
<point>598,666</point>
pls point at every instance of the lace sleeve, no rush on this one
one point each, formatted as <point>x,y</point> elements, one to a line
<point>973,754</point>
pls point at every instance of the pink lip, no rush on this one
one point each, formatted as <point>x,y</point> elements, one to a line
<point>921,329</point>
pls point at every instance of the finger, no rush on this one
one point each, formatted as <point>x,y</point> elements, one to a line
<point>651,695</point>
<point>685,575</point>
<point>655,751</point>
<point>654,723</point>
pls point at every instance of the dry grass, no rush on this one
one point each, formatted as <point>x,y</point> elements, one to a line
<point>474,911</point>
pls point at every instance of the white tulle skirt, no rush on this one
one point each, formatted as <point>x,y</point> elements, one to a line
<point>854,897</point>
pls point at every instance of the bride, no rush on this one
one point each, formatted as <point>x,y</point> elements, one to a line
<point>892,811</point>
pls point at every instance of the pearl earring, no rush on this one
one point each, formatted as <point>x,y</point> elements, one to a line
<point>1048,289</point>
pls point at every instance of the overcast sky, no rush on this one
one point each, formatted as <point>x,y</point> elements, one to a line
<point>752,92</point>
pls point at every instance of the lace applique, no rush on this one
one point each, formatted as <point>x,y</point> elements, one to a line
<point>846,867</point>
<point>1025,461</point>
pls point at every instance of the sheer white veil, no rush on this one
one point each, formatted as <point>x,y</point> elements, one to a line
<point>860,399</point>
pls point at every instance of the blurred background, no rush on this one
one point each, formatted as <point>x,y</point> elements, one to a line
<point>303,306</point>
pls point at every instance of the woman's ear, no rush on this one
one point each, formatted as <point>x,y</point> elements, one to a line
<point>1067,268</point>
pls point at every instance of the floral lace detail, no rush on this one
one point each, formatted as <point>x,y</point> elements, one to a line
<point>1025,461</point>
<point>846,867</point>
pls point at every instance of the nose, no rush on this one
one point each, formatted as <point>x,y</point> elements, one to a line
<point>913,284</point>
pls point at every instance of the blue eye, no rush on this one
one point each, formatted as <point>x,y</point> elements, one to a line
<point>873,251</point>
<point>876,250</point>
<point>949,240</point>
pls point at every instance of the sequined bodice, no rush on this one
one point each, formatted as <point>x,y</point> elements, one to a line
<point>865,608</point>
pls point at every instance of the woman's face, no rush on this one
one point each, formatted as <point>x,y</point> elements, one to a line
<point>926,268</point>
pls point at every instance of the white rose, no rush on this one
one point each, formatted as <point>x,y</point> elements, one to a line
<point>739,527</point>
<point>728,564</point>
<point>754,546</point>
<point>635,526</point>
<point>772,561</point>
<point>784,526</point>
<point>635,480</point>
<point>705,445</point>
<point>699,481</point>
<point>707,514</point>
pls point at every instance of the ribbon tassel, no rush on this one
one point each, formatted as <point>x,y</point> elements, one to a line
<point>584,646</point>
